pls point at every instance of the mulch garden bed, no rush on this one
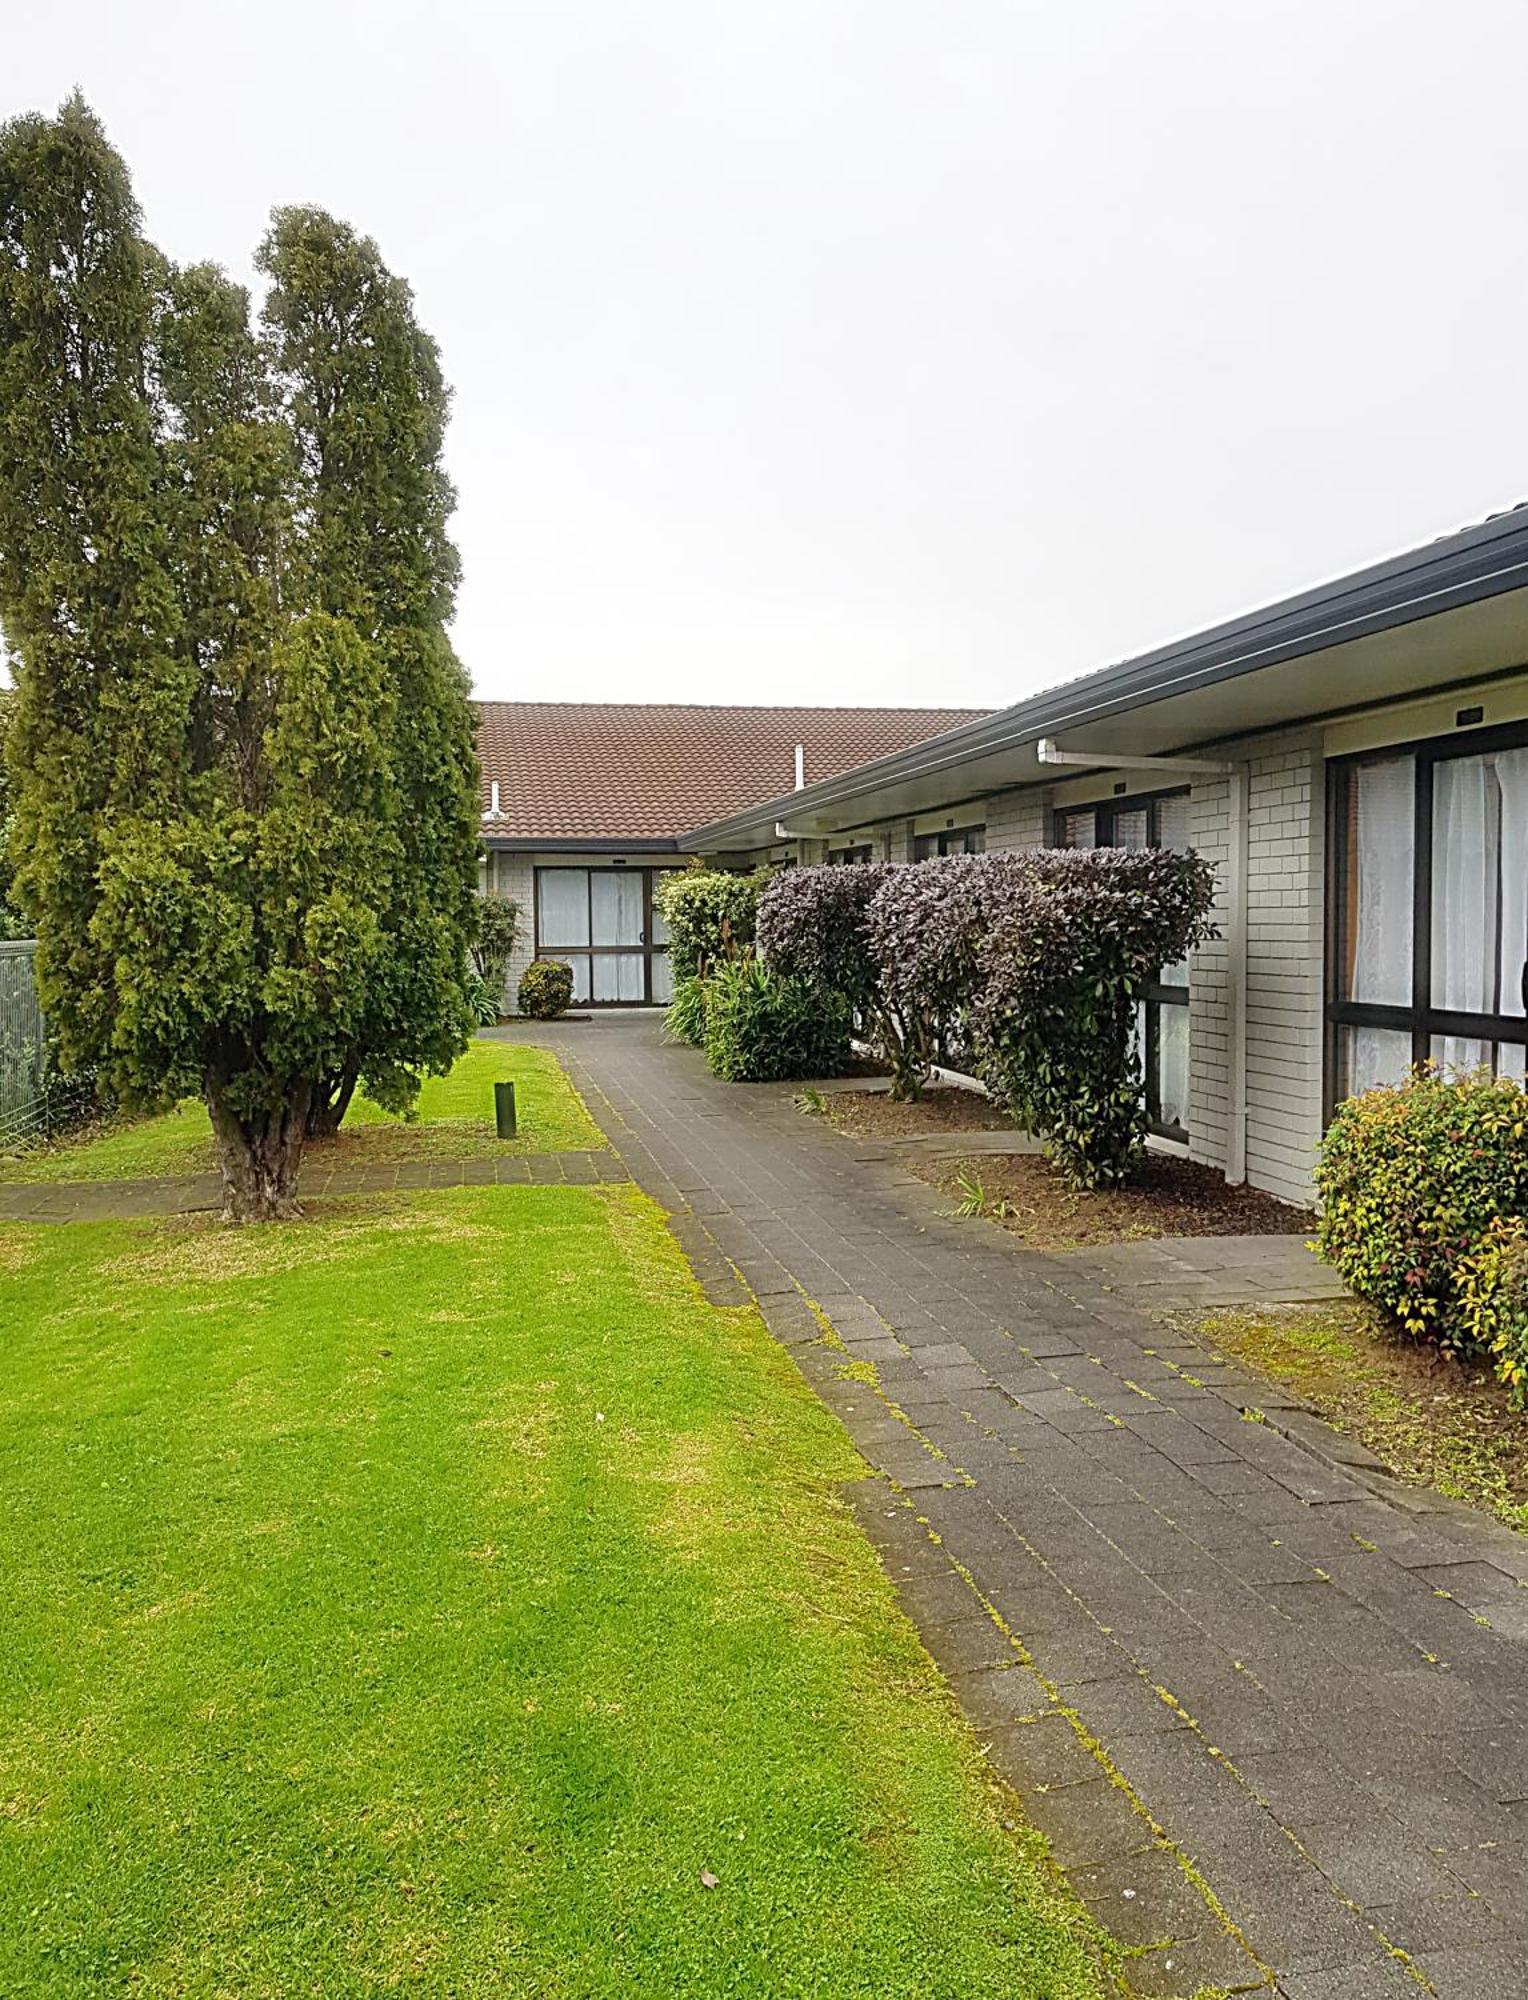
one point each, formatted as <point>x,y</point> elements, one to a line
<point>870,1114</point>
<point>1172,1197</point>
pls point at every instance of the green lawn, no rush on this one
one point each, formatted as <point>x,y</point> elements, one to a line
<point>455,1122</point>
<point>423,1596</point>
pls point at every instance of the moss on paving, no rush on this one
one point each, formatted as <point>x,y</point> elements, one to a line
<point>434,1595</point>
<point>1434,1423</point>
<point>455,1121</point>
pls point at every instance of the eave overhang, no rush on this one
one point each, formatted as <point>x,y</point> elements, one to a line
<point>1452,612</point>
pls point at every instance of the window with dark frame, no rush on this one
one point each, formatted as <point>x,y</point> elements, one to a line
<point>604,922</point>
<point>953,840</point>
<point>1159,821</point>
<point>1427,910</point>
<point>847,857</point>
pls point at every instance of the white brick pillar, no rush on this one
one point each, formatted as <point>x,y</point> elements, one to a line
<point>1286,861</point>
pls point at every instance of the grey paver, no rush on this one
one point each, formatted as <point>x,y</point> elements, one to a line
<point>1495,1973</point>
<point>1359,1742</point>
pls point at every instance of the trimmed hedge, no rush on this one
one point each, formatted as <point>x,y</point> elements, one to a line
<point>1412,1179</point>
<point>546,987</point>
<point>814,926</point>
<point>762,1028</point>
<point>1036,961</point>
<point>924,927</point>
<point>1065,954</point>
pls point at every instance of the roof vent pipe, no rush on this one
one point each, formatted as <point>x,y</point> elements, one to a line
<point>800,767</point>
<point>493,800</point>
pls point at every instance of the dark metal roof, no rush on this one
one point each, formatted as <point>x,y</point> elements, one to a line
<point>1477,562</point>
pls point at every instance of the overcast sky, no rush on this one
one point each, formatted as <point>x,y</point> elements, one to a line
<point>870,351</point>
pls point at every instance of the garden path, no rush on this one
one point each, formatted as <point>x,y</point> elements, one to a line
<point>1270,1707</point>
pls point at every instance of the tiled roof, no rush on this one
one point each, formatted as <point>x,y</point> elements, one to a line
<point>633,771</point>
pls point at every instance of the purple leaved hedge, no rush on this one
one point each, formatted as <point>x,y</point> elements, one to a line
<point>1060,969</point>
<point>1036,960</point>
<point>814,925</point>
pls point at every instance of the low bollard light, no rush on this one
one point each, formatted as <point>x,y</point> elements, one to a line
<point>504,1109</point>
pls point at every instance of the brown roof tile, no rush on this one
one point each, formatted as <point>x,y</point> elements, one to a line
<point>634,771</point>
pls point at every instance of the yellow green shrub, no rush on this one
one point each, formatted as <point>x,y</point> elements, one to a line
<point>1411,1180</point>
<point>1493,1302</point>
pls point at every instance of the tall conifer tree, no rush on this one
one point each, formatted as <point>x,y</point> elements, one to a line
<point>368,406</point>
<point>242,766</point>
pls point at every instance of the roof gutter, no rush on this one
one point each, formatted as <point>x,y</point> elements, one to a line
<point>1481,562</point>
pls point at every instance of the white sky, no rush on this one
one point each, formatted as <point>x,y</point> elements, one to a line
<point>871,351</point>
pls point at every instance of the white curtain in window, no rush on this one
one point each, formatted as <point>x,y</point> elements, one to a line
<point>579,962</point>
<point>1466,851</point>
<point>1174,819</point>
<point>618,975</point>
<point>1130,830</point>
<point>1383,850</point>
<point>563,905</point>
<point>1374,1056</point>
<point>1172,1065</point>
<point>617,902</point>
<point>1512,781</point>
<point>1384,808</point>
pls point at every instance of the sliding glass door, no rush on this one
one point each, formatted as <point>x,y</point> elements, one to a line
<point>602,923</point>
<point>1428,911</point>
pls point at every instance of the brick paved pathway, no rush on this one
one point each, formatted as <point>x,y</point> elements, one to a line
<point>1272,1711</point>
<point>184,1194</point>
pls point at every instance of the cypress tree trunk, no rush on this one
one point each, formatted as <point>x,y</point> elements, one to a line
<point>260,1155</point>
<point>330,1102</point>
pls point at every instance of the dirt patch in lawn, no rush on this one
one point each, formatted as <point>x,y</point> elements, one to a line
<point>1434,1422</point>
<point>871,1114</point>
<point>1172,1197</point>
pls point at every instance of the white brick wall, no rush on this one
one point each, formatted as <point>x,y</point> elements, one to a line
<point>511,875</point>
<point>1209,991</point>
<point>1018,820</point>
<point>1286,825</point>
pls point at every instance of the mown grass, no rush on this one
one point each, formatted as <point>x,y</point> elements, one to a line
<point>422,1597</point>
<point>455,1121</point>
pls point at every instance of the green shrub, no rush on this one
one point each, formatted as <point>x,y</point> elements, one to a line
<point>498,924</point>
<point>763,1029</point>
<point>546,987</point>
<point>685,1018</point>
<point>483,999</point>
<point>1493,1303</point>
<point>710,916</point>
<point>1411,1180</point>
